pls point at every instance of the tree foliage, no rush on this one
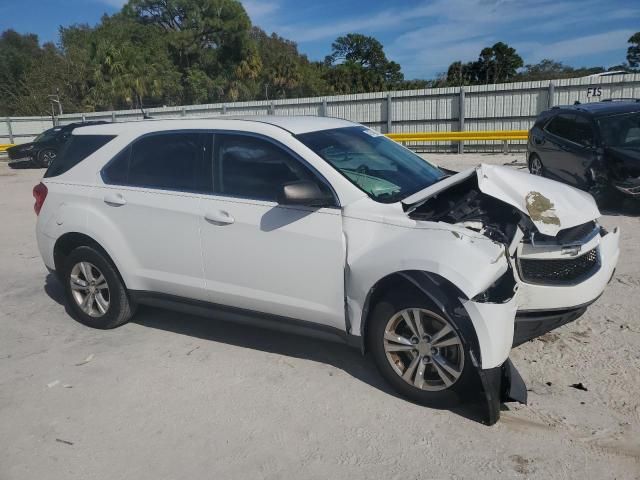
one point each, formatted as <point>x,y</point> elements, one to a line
<point>358,63</point>
<point>549,69</point>
<point>173,52</point>
<point>633,52</point>
<point>496,64</point>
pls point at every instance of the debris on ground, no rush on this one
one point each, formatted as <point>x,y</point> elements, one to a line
<point>192,350</point>
<point>579,386</point>
<point>86,360</point>
<point>66,442</point>
<point>53,384</point>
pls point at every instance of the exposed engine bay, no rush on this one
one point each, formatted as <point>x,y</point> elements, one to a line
<point>465,205</point>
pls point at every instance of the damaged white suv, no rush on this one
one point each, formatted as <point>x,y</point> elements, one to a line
<point>320,225</point>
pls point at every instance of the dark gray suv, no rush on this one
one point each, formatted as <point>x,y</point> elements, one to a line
<point>593,146</point>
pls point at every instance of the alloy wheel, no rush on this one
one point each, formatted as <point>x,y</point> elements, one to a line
<point>48,156</point>
<point>536,166</point>
<point>424,349</point>
<point>90,289</point>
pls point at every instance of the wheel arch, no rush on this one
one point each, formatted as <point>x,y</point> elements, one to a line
<point>442,292</point>
<point>69,241</point>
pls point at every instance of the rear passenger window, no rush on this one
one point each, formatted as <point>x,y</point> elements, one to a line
<point>117,170</point>
<point>172,161</point>
<point>250,167</point>
<point>561,125</point>
<point>76,149</point>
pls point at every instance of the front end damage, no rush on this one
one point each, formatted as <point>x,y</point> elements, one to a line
<point>622,169</point>
<point>559,261</point>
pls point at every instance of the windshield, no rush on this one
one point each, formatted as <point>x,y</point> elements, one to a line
<point>621,130</point>
<point>46,135</point>
<point>383,169</point>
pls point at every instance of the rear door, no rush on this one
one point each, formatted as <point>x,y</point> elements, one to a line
<point>554,152</point>
<point>152,196</point>
<point>262,256</point>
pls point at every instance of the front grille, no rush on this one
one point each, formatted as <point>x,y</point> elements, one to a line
<point>559,272</point>
<point>567,236</point>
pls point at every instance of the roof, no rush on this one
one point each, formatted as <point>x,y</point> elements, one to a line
<point>606,108</point>
<point>293,124</point>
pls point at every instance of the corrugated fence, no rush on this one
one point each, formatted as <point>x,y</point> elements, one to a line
<point>507,106</point>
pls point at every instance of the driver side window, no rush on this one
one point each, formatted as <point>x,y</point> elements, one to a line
<point>249,167</point>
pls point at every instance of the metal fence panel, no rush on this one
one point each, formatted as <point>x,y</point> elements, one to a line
<point>508,106</point>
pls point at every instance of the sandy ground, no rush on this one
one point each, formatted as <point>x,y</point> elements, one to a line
<point>175,396</point>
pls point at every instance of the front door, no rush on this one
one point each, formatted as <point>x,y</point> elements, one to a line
<point>262,256</point>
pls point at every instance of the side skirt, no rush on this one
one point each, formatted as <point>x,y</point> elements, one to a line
<point>245,317</point>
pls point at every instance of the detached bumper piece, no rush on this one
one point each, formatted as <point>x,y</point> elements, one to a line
<point>501,384</point>
<point>529,325</point>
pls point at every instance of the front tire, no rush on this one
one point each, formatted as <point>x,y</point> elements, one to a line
<point>95,294</point>
<point>535,166</point>
<point>419,351</point>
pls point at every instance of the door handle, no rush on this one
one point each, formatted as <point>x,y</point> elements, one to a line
<point>114,199</point>
<point>219,218</point>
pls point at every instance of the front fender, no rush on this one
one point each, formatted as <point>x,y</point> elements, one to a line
<point>464,259</point>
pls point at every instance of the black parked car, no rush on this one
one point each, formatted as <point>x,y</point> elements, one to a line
<point>594,146</point>
<point>44,148</point>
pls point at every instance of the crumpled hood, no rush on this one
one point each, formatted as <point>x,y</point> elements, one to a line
<point>552,206</point>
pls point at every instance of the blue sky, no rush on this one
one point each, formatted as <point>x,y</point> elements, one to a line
<point>424,36</point>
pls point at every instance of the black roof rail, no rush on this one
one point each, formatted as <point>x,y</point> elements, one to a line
<point>621,100</point>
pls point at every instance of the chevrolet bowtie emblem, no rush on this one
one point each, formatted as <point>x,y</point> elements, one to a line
<point>572,250</point>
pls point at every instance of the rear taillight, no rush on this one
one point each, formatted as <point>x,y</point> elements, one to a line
<point>40,194</point>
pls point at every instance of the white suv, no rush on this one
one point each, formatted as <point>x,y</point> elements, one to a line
<point>320,225</point>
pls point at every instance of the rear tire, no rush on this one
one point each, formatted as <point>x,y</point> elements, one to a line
<point>95,293</point>
<point>435,370</point>
<point>46,158</point>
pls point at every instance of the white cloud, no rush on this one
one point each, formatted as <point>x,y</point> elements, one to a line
<point>579,46</point>
<point>260,11</point>
<point>459,29</point>
<point>114,3</point>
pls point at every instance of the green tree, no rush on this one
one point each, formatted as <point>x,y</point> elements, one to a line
<point>548,69</point>
<point>209,36</point>
<point>29,73</point>
<point>496,64</point>
<point>499,63</point>
<point>357,63</point>
<point>285,72</point>
<point>633,52</point>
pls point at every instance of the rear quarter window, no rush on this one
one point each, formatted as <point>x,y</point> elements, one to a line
<point>74,151</point>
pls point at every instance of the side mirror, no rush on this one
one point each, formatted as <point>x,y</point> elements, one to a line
<point>304,193</point>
